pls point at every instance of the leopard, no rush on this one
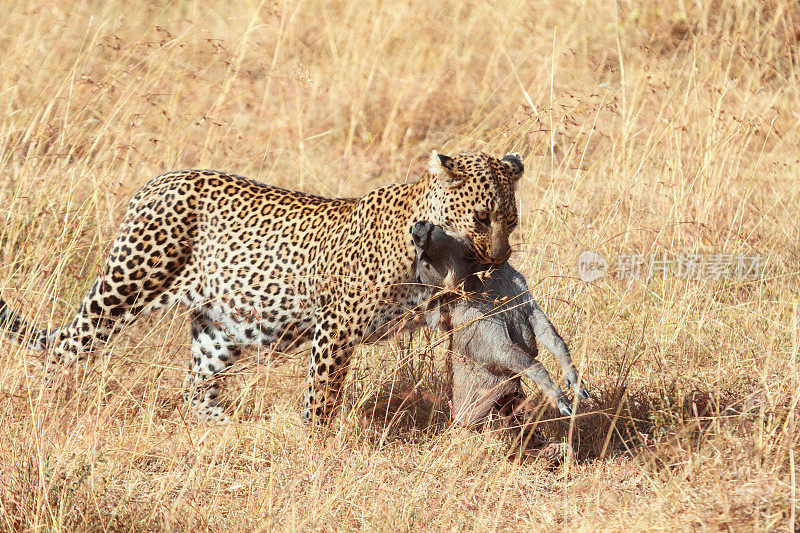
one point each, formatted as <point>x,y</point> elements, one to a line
<point>258,265</point>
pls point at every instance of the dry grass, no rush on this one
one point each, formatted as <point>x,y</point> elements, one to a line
<point>645,129</point>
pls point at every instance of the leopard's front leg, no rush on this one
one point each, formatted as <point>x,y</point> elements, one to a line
<point>331,350</point>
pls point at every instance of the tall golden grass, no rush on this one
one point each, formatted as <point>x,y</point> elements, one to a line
<point>647,127</point>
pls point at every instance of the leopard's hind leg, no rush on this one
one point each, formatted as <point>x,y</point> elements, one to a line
<point>141,274</point>
<point>213,352</point>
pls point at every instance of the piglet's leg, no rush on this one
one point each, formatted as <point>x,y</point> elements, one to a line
<point>519,361</point>
<point>552,341</point>
<point>538,373</point>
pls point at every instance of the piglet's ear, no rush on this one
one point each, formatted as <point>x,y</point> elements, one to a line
<point>433,315</point>
<point>514,164</point>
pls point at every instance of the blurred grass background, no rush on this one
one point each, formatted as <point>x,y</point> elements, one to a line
<point>646,128</point>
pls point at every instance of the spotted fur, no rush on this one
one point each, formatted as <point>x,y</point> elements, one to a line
<point>263,266</point>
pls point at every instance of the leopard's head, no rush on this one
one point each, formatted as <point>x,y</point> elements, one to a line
<point>474,200</point>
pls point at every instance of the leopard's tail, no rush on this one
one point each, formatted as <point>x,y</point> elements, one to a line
<point>18,329</point>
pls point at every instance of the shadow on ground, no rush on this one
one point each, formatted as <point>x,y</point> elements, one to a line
<point>617,421</point>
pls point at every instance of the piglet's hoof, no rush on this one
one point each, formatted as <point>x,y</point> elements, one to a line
<point>564,407</point>
<point>552,452</point>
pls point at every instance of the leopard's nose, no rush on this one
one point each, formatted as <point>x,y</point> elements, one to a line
<point>500,257</point>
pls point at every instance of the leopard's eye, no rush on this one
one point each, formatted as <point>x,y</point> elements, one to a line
<point>512,221</point>
<point>483,218</point>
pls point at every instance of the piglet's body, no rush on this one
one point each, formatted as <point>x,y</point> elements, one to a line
<point>495,324</point>
<point>477,389</point>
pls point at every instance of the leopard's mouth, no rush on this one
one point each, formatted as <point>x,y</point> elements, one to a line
<point>483,257</point>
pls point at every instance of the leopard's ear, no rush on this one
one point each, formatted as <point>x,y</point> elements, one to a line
<point>513,163</point>
<point>443,167</point>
